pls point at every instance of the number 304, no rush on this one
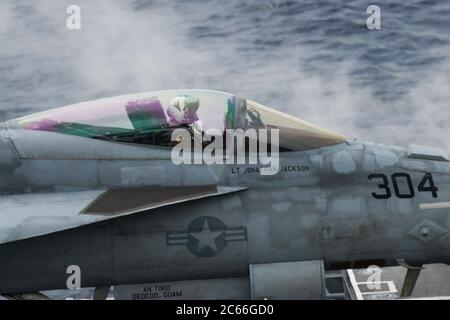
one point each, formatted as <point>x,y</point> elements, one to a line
<point>426,185</point>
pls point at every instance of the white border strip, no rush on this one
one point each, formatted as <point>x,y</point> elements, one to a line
<point>354,283</point>
<point>390,284</point>
<point>434,205</point>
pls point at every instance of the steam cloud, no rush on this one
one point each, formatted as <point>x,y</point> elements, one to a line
<point>318,63</point>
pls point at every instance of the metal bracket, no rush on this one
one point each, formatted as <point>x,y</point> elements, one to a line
<point>412,274</point>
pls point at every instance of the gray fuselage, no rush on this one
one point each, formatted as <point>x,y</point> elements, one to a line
<point>330,203</point>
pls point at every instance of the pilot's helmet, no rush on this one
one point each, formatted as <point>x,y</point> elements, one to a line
<point>183,109</point>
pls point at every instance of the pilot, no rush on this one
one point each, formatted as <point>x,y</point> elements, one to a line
<point>183,110</point>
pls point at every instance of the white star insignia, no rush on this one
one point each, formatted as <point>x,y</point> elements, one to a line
<point>206,237</point>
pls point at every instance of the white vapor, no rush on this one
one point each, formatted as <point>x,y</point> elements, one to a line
<point>126,46</point>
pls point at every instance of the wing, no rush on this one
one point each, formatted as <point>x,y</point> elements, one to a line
<point>29,215</point>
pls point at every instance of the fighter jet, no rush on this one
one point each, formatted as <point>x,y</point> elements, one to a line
<point>112,188</point>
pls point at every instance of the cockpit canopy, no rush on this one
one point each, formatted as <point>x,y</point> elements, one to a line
<point>150,119</point>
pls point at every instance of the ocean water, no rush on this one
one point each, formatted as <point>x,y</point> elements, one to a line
<point>314,59</point>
